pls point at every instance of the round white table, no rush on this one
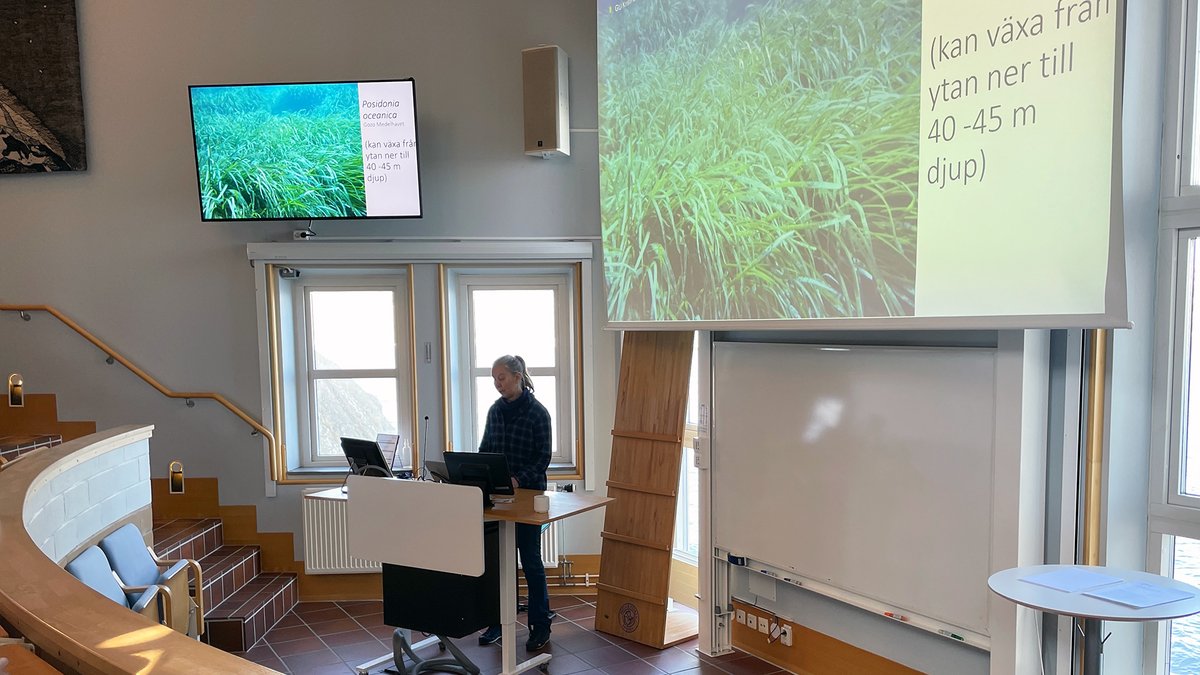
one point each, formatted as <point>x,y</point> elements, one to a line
<point>1011,584</point>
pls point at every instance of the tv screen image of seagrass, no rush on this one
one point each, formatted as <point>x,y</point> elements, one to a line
<point>338,150</point>
<point>780,160</point>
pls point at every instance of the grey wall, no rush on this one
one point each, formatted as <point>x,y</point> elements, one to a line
<point>121,249</point>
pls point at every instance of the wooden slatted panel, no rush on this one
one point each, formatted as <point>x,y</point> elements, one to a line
<point>642,516</point>
<point>639,527</point>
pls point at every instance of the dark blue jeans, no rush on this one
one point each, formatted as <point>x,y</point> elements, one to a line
<point>529,547</point>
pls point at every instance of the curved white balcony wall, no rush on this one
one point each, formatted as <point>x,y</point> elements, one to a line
<point>84,494</point>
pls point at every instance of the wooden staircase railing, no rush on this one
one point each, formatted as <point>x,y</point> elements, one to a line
<point>189,396</point>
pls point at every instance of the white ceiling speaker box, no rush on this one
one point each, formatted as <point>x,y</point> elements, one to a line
<point>547,110</point>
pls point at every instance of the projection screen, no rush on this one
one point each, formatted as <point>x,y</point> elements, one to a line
<point>897,163</point>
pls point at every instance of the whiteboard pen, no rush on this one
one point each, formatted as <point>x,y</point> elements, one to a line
<point>893,615</point>
<point>950,635</point>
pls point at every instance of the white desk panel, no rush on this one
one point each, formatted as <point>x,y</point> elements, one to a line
<point>433,526</point>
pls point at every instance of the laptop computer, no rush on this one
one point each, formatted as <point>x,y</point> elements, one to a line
<point>388,443</point>
<point>365,457</point>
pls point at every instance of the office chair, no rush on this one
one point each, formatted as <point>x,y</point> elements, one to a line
<point>136,565</point>
<point>92,568</point>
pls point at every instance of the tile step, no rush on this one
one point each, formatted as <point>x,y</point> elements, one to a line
<point>192,538</point>
<point>239,621</point>
<point>226,570</point>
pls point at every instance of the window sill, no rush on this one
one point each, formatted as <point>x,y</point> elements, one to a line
<point>560,473</point>
<point>335,476</point>
<point>685,558</point>
<point>315,475</point>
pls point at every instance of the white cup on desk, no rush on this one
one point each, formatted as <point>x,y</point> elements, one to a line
<point>541,503</point>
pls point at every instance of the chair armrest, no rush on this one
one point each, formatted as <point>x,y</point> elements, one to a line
<point>176,567</point>
<point>148,595</point>
<point>197,576</point>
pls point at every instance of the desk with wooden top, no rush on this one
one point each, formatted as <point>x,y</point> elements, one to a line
<point>520,510</point>
<point>454,547</point>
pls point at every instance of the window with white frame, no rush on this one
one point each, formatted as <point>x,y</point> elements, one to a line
<point>352,362</point>
<point>522,311</point>
<point>1187,145</point>
<point>1175,518</point>
<point>687,505</point>
<point>1175,492</point>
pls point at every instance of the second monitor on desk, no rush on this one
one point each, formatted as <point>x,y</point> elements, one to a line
<point>486,470</point>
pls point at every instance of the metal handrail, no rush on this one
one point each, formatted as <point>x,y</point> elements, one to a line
<point>189,396</point>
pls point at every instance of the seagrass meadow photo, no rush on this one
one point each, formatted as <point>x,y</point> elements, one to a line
<point>759,160</point>
<point>279,151</point>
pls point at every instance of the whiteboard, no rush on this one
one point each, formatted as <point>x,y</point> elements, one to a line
<point>868,469</point>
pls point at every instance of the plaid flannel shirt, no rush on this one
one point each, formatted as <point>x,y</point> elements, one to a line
<point>521,432</point>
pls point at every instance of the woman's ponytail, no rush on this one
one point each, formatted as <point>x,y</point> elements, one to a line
<point>516,366</point>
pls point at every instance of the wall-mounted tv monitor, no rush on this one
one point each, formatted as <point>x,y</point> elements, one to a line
<point>306,151</point>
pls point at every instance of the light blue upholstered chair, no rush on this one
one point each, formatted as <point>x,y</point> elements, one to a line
<point>92,568</point>
<point>136,565</point>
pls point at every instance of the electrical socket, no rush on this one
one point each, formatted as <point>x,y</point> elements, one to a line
<point>741,616</point>
<point>785,634</point>
<point>764,626</point>
<point>751,621</point>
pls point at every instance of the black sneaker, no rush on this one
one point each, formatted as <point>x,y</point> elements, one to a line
<point>490,636</point>
<point>538,637</point>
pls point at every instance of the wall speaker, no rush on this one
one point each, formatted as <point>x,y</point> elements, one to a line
<point>547,110</point>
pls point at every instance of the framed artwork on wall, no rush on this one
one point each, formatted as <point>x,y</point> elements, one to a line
<point>41,97</point>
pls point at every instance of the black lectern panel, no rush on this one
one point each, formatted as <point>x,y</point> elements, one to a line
<point>444,604</point>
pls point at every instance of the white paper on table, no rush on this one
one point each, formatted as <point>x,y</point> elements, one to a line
<point>1071,579</point>
<point>1139,594</point>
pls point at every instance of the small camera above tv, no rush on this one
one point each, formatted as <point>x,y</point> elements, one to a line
<point>306,151</point>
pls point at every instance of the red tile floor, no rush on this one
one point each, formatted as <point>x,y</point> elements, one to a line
<point>333,637</point>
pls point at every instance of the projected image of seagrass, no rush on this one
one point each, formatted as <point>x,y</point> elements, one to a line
<point>282,151</point>
<point>759,160</point>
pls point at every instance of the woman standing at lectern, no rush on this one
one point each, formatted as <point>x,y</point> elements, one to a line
<point>518,426</point>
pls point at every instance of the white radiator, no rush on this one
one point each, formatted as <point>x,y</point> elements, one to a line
<point>326,550</point>
<point>550,545</point>
<point>551,542</point>
<point>325,547</point>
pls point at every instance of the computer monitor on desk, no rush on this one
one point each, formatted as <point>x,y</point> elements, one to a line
<point>437,471</point>
<point>365,457</point>
<point>486,470</point>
